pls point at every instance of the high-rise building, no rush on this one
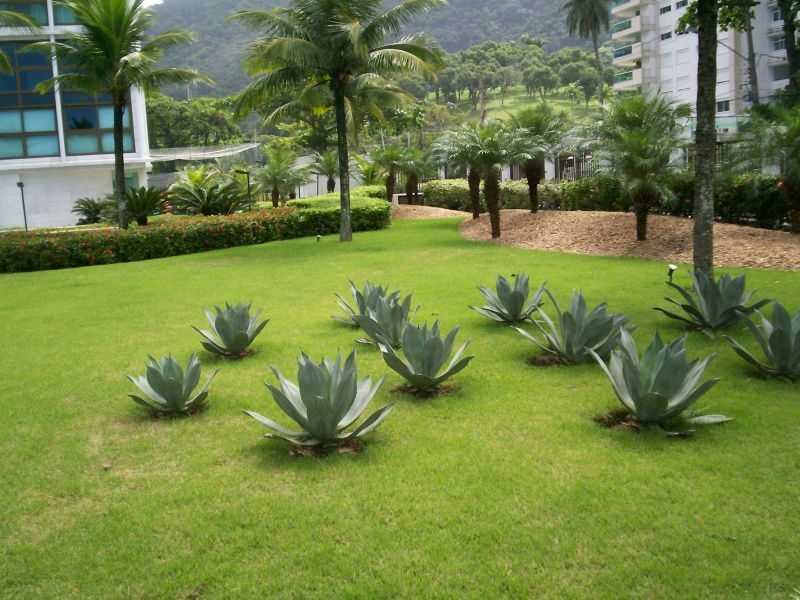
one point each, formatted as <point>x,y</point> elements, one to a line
<point>650,54</point>
<point>60,145</point>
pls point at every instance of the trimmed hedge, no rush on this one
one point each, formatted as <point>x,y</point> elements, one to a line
<point>452,194</point>
<point>185,235</point>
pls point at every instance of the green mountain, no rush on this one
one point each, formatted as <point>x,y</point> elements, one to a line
<point>463,23</point>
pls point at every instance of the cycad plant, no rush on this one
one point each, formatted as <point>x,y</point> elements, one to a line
<point>233,330</point>
<point>112,54</point>
<point>89,210</point>
<point>141,203</point>
<point>417,165</point>
<point>167,389</point>
<point>779,339</point>
<point>337,46</point>
<point>712,305</point>
<point>512,302</point>
<point>385,323</point>
<point>661,385</point>
<point>576,333</point>
<point>280,175</point>
<point>206,190</point>
<point>637,141</point>
<point>326,401</point>
<point>365,300</point>
<point>457,148</point>
<point>390,161</point>
<point>326,164</point>
<point>427,359</point>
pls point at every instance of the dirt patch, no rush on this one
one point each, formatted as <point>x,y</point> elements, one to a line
<point>442,390</point>
<point>351,446</point>
<point>614,234</point>
<point>409,212</point>
<point>548,360</point>
<point>618,419</point>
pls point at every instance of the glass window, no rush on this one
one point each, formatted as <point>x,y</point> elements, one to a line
<point>107,117</point>
<point>82,144</point>
<point>666,9</point>
<point>42,145</point>
<point>108,143</point>
<point>35,9</point>
<point>28,80</point>
<point>10,121</point>
<point>81,118</point>
<point>11,147</point>
<point>64,15</point>
<point>39,120</point>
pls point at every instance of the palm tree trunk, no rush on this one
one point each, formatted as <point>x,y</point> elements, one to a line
<point>119,159</point>
<point>596,45</point>
<point>492,191</point>
<point>642,209</point>
<point>792,51</point>
<point>412,189</point>
<point>532,175</point>
<point>792,192</point>
<point>706,136</point>
<point>391,186</point>
<point>276,197</point>
<point>346,227</point>
<point>474,180</point>
<point>331,185</point>
<point>752,65</point>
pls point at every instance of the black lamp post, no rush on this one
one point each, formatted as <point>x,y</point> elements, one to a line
<point>21,186</point>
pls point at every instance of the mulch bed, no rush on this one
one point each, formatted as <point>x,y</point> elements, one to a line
<point>408,211</point>
<point>614,234</point>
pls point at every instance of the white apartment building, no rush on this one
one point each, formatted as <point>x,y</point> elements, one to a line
<point>58,146</point>
<point>650,54</point>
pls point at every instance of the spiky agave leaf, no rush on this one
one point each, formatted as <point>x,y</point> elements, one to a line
<point>233,330</point>
<point>510,303</point>
<point>364,300</point>
<point>167,388</point>
<point>780,343</point>
<point>713,305</point>
<point>577,332</point>
<point>385,323</point>
<point>327,400</point>
<point>427,360</point>
<point>661,385</point>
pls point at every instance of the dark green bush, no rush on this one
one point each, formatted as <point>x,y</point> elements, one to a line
<point>514,194</point>
<point>181,235</point>
<point>378,192</point>
<point>601,192</point>
<point>447,193</point>
<point>753,198</point>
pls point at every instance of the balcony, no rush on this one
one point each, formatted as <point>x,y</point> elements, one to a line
<point>622,8</point>
<point>626,29</point>
<point>775,28</point>
<point>628,54</point>
<point>777,57</point>
<point>628,80</point>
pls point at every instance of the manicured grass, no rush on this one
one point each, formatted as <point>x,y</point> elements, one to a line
<point>506,488</point>
<point>517,99</point>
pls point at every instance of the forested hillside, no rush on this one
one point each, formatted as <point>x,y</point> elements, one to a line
<point>463,23</point>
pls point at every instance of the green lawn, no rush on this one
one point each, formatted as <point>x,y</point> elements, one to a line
<point>506,488</point>
<point>517,99</point>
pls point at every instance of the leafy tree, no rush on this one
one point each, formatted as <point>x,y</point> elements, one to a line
<point>637,138</point>
<point>112,55</point>
<point>335,45</point>
<point>539,129</point>
<point>326,164</point>
<point>198,122</point>
<point>540,78</point>
<point>370,172</point>
<point>588,19</point>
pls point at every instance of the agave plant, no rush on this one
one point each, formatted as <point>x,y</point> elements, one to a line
<point>166,388</point>
<point>233,330</point>
<point>512,303</point>
<point>385,323</point>
<point>576,333</point>
<point>365,300</point>
<point>713,305</point>
<point>658,387</point>
<point>426,361</point>
<point>327,400</point>
<point>780,341</point>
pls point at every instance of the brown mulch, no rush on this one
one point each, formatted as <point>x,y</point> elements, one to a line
<point>614,234</point>
<point>407,211</point>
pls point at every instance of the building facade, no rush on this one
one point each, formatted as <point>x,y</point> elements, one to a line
<point>57,147</point>
<point>650,54</point>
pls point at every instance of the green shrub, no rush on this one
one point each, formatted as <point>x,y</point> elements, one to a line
<point>682,186</point>
<point>601,192</point>
<point>514,194</point>
<point>38,251</point>
<point>448,193</point>
<point>752,197</point>
<point>378,192</point>
<point>550,196</point>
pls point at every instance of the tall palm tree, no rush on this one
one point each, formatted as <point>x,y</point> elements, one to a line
<point>457,148</point>
<point>10,18</point>
<point>636,139</point>
<point>281,175</point>
<point>339,46</point>
<point>540,129</point>
<point>390,160</point>
<point>588,19</point>
<point>326,164</point>
<point>112,55</point>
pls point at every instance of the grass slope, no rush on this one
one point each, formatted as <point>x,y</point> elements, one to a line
<point>504,489</point>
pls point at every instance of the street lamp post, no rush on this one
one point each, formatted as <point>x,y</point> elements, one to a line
<point>21,186</point>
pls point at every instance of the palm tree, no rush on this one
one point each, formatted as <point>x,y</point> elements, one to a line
<point>370,172</point>
<point>588,19</point>
<point>112,55</point>
<point>416,166</point>
<point>457,148</point>
<point>281,175</point>
<point>390,160</point>
<point>540,129</point>
<point>339,46</point>
<point>637,139</point>
<point>326,164</point>
<point>10,18</point>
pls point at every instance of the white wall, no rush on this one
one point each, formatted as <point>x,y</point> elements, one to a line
<point>51,193</point>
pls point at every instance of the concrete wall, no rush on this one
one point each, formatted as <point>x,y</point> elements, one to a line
<point>51,193</point>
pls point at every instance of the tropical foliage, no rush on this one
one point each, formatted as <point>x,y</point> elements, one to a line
<point>233,330</point>
<point>365,300</point>
<point>167,389</point>
<point>386,322</point>
<point>141,203</point>
<point>712,304</point>
<point>661,385</point>
<point>205,190</point>
<point>326,164</point>
<point>511,303</point>
<point>89,210</point>
<point>779,339</point>
<point>281,175</point>
<point>327,400</point>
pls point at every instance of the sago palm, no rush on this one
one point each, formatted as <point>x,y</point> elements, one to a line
<point>111,55</point>
<point>417,165</point>
<point>588,19</point>
<point>326,164</point>
<point>390,160</point>
<point>540,129</point>
<point>338,46</point>
<point>280,175</point>
<point>636,140</point>
<point>457,148</point>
